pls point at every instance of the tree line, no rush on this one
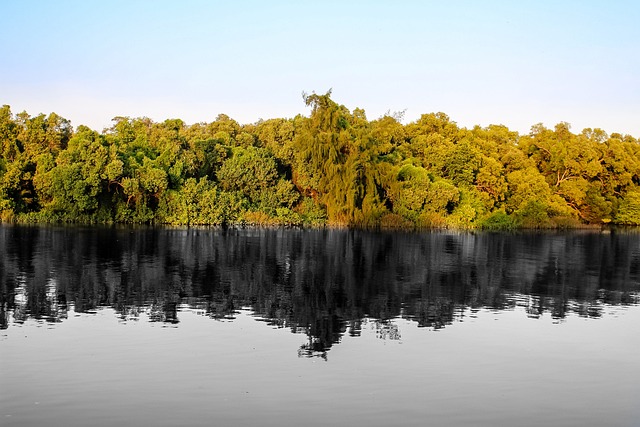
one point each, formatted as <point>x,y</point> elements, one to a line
<point>334,167</point>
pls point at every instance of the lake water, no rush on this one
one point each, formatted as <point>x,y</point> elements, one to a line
<point>272,327</point>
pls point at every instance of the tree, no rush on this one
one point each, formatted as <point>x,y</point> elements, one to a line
<point>568,162</point>
<point>71,186</point>
<point>334,166</point>
<point>629,211</point>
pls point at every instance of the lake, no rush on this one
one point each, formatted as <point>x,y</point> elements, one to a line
<point>288,327</point>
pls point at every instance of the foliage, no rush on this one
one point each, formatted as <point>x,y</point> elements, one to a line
<point>499,221</point>
<point>334,167</point>
<point>629,211</point>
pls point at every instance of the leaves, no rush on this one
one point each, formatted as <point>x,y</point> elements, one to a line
<point>333,167</point>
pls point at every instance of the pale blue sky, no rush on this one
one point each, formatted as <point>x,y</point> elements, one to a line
<point>515,63</point>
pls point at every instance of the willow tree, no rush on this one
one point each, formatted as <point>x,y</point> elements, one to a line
<point>336,162</point>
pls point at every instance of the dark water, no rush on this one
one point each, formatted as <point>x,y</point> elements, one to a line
<point>164,327</point>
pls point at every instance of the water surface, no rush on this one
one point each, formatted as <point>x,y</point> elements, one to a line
<point>142,326</point>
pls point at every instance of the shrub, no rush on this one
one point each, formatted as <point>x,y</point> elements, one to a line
<point>499,221</point>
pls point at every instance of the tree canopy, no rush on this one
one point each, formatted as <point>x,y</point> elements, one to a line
<point>333,167</point>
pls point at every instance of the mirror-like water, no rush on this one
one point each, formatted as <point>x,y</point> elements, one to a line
<point>103,326</point>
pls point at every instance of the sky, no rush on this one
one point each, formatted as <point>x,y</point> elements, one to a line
<point>515,63</point>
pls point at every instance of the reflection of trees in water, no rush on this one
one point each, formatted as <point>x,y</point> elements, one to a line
<point>321,282</point>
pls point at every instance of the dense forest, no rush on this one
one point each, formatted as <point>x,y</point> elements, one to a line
<point>334,167</point>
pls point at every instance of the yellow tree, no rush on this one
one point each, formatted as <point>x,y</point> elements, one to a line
<point>569,163</point>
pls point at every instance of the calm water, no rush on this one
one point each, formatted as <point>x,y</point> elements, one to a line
<point>167,327</point>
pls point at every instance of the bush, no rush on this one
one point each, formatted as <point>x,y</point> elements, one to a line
<point>629,210</point>
<point>311,213</point>
<point>534,215</point>
<point>392,220</point>
<point>499,221</point>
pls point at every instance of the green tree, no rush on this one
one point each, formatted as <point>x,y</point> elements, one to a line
<point>568,162</point>
<point>629,211</point>
<point>71,186</point>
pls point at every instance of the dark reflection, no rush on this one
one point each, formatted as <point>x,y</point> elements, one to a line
<point>324,283</point>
